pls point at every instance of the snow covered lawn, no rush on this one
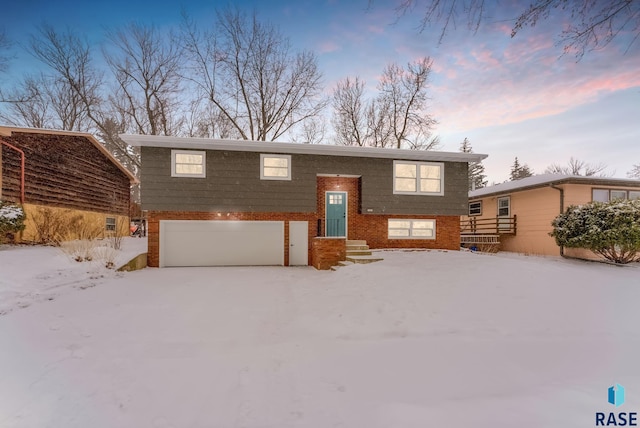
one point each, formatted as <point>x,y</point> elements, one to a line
<point>422,339</point>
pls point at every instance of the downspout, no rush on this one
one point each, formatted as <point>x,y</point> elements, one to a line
<point>21,168</point>
<point>561,190</point>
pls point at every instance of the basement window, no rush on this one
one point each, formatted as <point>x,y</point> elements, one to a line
<point>110,225</point>
<point>188,163</point>
<point>275,167</point>
<point>411,229</point>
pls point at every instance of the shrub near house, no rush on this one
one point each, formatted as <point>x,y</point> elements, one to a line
<point>611,229</point>
<point>11,220</point>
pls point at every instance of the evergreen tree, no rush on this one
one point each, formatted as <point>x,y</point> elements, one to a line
<point>477,177</point>
<point>519,171</point>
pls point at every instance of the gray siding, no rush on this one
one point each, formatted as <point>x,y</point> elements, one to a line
<point>233,184</point>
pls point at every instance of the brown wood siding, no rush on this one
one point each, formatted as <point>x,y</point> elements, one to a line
<point>65,171</point>
<point>233,184</point>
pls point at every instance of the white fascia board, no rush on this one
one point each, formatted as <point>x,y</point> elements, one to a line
<point>293,148</point>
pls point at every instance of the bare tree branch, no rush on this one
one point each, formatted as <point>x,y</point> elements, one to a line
<point>589,24</point>
<point>251,77</point>
<point>146,67</point>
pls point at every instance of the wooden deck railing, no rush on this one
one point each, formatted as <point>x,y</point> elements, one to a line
<point>488,226</point>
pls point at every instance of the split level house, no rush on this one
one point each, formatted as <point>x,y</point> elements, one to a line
<point>517,215</point>
<point>63,175</point>
<point>222,202</point>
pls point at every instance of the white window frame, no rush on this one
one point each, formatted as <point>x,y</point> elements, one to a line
<point>411,228</point>
<point>479,203</point>
<point>264,156</point>
<point>417,165</point>
<point>626,192</point>
<point>188,152</point>
<point>110,224</point>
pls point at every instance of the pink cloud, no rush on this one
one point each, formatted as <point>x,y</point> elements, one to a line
<point>328,47</point>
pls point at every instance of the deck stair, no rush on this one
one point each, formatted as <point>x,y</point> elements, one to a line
<point>358,252</point>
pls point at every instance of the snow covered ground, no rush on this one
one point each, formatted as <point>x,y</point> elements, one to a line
<point>422,339</point>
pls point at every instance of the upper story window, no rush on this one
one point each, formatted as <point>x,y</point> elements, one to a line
<point>188,163</point>
<point>606,195</point>
<point>418,178</point>
<point>475,208</point>
<point>275,167</point>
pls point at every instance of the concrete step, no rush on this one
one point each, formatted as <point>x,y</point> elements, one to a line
<point>356,242</point>
<point>364,259</point>
<point>358,253</point>
<point>341,264</point>
<point>357,247</point>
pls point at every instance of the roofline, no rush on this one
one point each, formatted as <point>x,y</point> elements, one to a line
<point>6,131</point>
<point>295,148</point>
<point>572,179</point>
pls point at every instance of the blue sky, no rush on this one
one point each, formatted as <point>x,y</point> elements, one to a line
<point>510,97</point>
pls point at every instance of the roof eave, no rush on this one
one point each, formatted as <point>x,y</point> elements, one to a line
<point>295,148</point>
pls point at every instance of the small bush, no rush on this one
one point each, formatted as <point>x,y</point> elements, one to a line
<point>610,229</point>
<point>53,226</point>
<point>11,220</point>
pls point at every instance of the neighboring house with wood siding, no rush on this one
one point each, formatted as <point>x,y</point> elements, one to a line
<point>223,202</point>
<point>66,174</point>
<point>519,213</point>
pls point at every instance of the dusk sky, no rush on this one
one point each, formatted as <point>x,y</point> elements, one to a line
<point>510,97</point>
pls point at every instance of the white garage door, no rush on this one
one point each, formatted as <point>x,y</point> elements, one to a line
<point>221,243</point>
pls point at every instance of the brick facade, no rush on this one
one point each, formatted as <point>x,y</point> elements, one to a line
<point>373,227</point>
<point>369,227</point>
<point>154,217</point>
<point>327,252</point>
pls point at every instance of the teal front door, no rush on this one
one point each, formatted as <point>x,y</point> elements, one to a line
<point>336,214</point>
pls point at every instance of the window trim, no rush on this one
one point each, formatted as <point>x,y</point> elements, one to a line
<point>418,191</point>
<point>263,156</point>
<point>108,226</point>
<point>412,220</point>
<point>506,198</point>
<point>470,214</point>
<point>609,190</point>
<point>189,152</point>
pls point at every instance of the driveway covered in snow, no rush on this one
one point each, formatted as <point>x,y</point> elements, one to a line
<point>450,339</point>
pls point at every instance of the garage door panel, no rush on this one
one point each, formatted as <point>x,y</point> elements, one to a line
<point>221,243</point>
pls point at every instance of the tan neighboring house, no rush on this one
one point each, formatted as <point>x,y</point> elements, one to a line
<point>517,215</point>
<point>60,175</point>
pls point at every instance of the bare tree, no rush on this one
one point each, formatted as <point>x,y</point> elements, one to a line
<point>69,58</point>
<point>248,72</point>
<point>577,167</point>
<point>313,131</point>
<point>404,91</point>
<point>5,44</point>
<point>589,25</point>
<point>146,68</point>
<point>635,171</point>
<point>349,112</point>
<point>27,105</point>
<point>396,117</point>
<point>45,102</point>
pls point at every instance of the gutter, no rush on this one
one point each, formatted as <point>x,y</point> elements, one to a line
<point>22,156</point>
<point>561,190</point>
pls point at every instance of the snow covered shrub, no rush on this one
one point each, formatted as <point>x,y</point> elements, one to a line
<point>610,229</point>
<point>11,219</point>
<point>80,250</point>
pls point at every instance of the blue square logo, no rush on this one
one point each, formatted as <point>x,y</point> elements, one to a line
<point>616,395</point>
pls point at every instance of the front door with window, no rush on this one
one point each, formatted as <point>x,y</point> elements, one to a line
<point>336,214</point>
